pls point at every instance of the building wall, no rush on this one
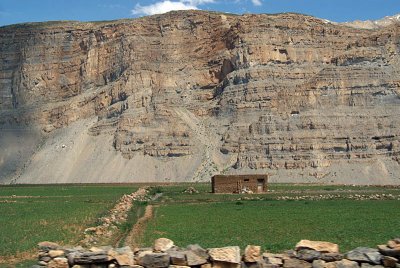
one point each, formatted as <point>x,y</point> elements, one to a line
<point>235,183</point>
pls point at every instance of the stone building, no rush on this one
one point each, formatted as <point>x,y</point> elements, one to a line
<point>239,183</point>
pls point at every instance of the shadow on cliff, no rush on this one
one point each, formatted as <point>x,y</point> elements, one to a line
<point>17,145</point>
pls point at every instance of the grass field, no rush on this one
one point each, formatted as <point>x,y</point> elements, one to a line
<point>59,213</point>
<point>220,220</point>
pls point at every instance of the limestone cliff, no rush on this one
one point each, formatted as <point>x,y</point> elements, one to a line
<point>182,96</point>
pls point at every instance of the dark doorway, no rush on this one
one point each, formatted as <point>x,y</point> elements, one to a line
<point>260,185</point>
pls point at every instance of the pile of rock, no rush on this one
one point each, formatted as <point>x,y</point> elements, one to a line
<point>53,256</point>
<point>246,190</point>
<point>117,215</point>
<point>382,196</point>
<point>191,190</point>
<point>164,254</point>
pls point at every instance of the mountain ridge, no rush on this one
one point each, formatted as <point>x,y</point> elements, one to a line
<point>374,24</point>
<point>361,24</point>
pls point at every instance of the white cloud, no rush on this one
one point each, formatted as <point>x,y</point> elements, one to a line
<point>256,2</point>
<point>167,5</point>
<point>199,2</point>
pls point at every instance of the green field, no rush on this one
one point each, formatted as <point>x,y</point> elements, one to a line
<point>220,220</point>
<point>59,213</point>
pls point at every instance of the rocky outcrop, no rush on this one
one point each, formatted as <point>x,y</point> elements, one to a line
<point>185,95</point>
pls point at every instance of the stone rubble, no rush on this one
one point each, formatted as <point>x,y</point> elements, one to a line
<point>363,254</point>
<point>320,246</point>
<point>191,190</point>
<point>226,254</point>
<point>163,244</point>
<point>117,215</point>
<point>252,253</point>
<point>164,254</point>
<point>382,196</point>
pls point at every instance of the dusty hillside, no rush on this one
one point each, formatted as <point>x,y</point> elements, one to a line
<point>182,96</point>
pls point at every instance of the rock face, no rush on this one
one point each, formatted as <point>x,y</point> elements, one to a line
<point>163,244</point>
<point>252,253</point>
<point>363,254</point>
<point>226,254</point>
<point>320,246</point>
<point>188,94</point>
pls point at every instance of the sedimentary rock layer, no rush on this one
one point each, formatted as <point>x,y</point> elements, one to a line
<point>191,94</point>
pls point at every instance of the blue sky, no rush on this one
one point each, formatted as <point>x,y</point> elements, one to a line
<point>17,11</point>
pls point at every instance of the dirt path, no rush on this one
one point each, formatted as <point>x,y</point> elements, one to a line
<point>135,234</point>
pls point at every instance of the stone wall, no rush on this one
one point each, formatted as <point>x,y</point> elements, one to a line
<point>239,183</point>
<point>307,254</point>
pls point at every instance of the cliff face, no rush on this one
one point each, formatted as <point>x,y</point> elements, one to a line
<point>185,95</point>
